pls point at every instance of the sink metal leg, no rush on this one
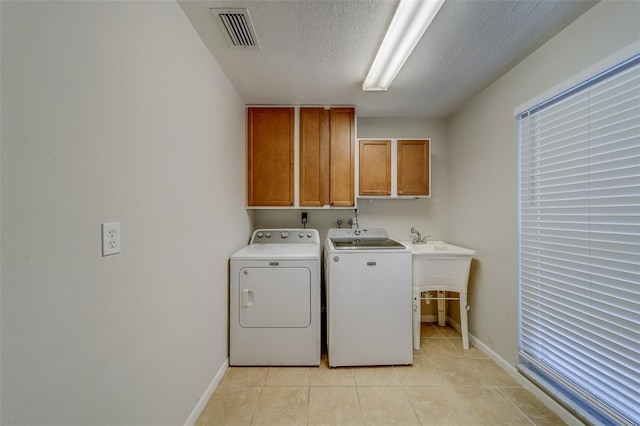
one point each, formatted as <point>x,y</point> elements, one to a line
<point>416,320</point>
<point>464,322</point>
<point>442,309</point>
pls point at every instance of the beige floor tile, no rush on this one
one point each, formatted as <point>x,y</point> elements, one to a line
<point>490,374</point>
<point>440,347</point>
<point>468,372</point>
<point>447,331</point>
<point>428,329</point>
<point>437,406</point>
<point>288,376</point>
<point>468,353</point>
<point>417,353</point>
<point>282,406</point>
<point>445,385</point>
<point>488,406</point>
<point>230,406</point>
<point>421,373</point>
<point>327,376</point>
<point>473,372</point>
<point>334,406</point>
<point>244,376</point>
<point>386,405</point>
<point>375,376</point>
<point>532,407</point>
<point>458,371</point>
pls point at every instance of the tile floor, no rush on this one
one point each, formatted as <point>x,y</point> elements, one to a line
<point>445,386</point>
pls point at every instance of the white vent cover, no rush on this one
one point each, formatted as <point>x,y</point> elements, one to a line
<point>237,27</point>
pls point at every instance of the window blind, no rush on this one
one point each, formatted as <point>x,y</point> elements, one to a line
<point>579,245</point>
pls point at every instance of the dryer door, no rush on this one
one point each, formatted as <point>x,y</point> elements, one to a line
<point>274,298</point>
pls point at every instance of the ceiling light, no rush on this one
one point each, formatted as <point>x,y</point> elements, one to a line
<point>411,20</point>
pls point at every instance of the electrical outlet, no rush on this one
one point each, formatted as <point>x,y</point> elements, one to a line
<point>110,238</point>
<point>304,217</point>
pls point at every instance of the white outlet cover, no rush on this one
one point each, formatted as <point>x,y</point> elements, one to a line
<point>110,238</point>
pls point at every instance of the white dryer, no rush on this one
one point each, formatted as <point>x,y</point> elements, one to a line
<point>274,313</point>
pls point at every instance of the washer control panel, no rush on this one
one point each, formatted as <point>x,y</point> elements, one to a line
<point>288,236</point>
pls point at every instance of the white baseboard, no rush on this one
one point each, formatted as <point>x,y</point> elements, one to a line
<point>455,325</point>
<point>202,402</point>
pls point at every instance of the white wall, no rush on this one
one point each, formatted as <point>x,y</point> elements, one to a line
<point>397,216</point>
<point>483,163</point>
<point>114,111</point>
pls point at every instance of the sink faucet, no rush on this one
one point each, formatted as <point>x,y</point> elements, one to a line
<point>419,239</point>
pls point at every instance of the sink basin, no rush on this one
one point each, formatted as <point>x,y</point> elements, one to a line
<point>437,248</point>
<point>439,267</point>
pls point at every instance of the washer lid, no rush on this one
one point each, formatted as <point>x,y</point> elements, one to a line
<point>367,244</point>
<point>348,234</point>
<point>278,251</point>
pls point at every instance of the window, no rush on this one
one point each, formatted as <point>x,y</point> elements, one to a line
<point>579,247</point>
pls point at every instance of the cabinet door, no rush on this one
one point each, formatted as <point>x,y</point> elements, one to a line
<point>413,167</point>
<point>375,167</point>
<point>270,156</point>
<point>342,156</point>
<point>314,156</point>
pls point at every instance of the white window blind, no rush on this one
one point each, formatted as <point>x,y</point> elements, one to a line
<point>579,247</point>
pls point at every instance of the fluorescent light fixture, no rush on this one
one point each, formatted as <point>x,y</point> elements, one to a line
<point>411,20</point>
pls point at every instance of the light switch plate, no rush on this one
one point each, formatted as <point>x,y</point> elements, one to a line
<point>110,238</point>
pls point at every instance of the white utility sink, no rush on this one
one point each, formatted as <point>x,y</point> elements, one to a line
<point>437,248</point>
<point>439,267</point>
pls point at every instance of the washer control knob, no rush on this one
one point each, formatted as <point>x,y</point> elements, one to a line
<point>309,235</point>
<point>301,235</point>
<point>357,232</point>
<point>268,234</point>
<point>260,234</point>
<point>284,234</point>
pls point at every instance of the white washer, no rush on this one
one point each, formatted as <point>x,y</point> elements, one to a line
<point>274,313</point>
<point>369,298</point>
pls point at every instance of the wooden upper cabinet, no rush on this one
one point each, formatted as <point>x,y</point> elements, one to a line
<point>413,167</point>
<point>342,161</point>
<point>270,165</point>
<point>327,138</point>
<point>375,167</point>
<point>314,156</point>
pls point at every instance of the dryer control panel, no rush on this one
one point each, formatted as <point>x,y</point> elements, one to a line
<point>286,236</point>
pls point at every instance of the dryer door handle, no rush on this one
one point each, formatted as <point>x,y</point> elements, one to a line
<point>247,298</point>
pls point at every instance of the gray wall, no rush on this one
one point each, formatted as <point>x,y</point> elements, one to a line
<point>483,163</point>
<point>114,111</point>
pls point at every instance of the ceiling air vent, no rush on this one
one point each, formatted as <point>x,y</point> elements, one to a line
<point>237,27</point>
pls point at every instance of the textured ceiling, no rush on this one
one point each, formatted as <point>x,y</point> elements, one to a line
<point>317,52</point>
